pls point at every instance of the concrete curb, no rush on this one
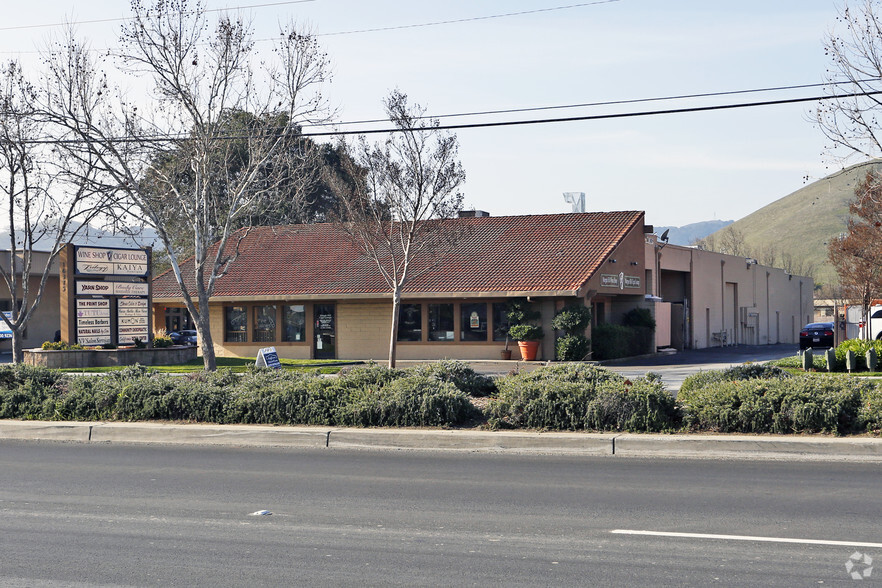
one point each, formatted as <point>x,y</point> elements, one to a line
<point>42,430</point>
<point>748,446</point>
<point>619,445</point>
<point>238,435</point>
<point>569,443</point>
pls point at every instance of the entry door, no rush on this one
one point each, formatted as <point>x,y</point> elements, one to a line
<point>325,331</point>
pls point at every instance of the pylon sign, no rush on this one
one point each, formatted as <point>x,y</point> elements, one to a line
<point>106,295</point>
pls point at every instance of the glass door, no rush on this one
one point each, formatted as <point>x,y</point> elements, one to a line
<point>325,331</point>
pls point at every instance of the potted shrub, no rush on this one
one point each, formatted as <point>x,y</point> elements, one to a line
<point>523,330</point>
<point>505,354</point>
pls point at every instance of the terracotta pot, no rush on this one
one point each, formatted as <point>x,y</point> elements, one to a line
<point>529,349</point>
<point>505,354</point>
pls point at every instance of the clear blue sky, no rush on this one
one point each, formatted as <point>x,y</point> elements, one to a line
<point>679,168</point>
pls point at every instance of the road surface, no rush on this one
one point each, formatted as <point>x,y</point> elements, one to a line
<point>151,515</point>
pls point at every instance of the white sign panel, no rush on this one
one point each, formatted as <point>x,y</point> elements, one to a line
<point>93,339</point>
<point>132,303</point>
<point>93,303</point>
<point>112,288</point>
<point>128,321</point>
<point>96,260</point>
<point>87,331</point>
<point>101,288</point>
<point>92,313</point>
<point>133,330</point>
<point>130,289</point>
<point>93,322</point>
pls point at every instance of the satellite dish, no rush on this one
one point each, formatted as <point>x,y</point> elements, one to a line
<point>664,236</point>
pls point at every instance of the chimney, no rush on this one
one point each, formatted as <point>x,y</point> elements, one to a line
<point>472,213</point>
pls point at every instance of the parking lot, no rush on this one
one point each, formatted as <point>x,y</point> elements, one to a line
<point>672,367</point>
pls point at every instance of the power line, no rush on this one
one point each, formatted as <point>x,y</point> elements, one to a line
<point>602,116</point>
<point>352,32</point>
<point>593,104</point>
<point>123,19</point>
<point>461,20</point>
<point>687,110</point>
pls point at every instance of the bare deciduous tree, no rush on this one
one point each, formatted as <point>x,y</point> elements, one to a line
<point>398,216</point>
<point>42,208</point>
<point>201,75</point>
<point>852,123</point>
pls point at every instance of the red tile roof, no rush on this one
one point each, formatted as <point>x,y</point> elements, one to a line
<point>538,254</point>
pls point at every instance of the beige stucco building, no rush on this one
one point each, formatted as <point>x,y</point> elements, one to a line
<point>44,322</point>
<point>715,299</point>
<point>306,291</point>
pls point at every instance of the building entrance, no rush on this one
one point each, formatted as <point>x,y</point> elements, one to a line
<point>325,331</point>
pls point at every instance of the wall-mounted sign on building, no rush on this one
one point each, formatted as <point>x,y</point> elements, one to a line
<point>105,295</point>
<point>620,281</point>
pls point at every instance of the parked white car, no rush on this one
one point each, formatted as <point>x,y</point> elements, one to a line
<point>858,326</point>
<point>875,326</point>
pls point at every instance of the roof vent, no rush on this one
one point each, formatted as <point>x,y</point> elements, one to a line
<point>472,213</point>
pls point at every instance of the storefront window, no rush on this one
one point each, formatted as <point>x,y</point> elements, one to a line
<point>264,324</point>
<point>500,321</point>
<point>235,324</point>
<point>473,322</point>
<point>410,322</point>
<point>294,322</point>
<point>441,322</point>
<point>177,320</point>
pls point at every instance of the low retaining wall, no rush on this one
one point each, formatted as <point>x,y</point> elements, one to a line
<point>83,358</point>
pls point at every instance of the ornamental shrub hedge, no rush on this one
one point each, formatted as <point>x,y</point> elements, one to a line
<point>801,404</point>
<point>747,399</point>
<point>582,397</point>
<point>736,373</point>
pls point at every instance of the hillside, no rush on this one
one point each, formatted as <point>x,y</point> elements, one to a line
<point>687,234</point>
<point>798,226</point>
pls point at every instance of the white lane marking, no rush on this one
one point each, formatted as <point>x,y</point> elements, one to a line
<point>745,538</point>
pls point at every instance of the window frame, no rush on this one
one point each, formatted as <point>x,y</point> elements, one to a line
<point>228,332</point>
<point>463,319</point>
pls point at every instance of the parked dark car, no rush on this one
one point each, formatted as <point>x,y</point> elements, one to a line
<point>816,336</point>
<point>175,337</point>
<point>188,338</point>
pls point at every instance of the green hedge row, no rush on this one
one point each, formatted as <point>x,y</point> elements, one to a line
<point>370,396</point>
<point>745,399</point>
<point>581,397</point>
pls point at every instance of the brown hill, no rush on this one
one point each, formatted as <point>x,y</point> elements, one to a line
<point>793,232</point>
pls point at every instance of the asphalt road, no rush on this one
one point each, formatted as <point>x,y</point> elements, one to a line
<point>109,514</point>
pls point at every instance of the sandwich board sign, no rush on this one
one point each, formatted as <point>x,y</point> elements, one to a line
<point>267,357</point>
<point>5,331</point>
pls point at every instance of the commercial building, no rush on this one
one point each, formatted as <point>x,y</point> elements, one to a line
<point>44,323</point>
<point>307,291</point>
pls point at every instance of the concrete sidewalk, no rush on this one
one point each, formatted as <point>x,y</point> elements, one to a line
<point>769,447</point>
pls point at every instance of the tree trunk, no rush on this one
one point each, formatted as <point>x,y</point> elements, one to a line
<point>393,338</point>
<point>202,318</point>
<point>17,353</point>
<point>206,343</point>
